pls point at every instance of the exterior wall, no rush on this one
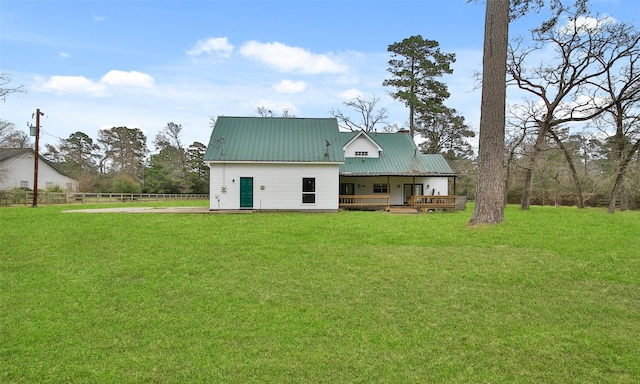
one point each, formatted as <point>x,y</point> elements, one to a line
<point>275,186</point>
<point>430,185</point>
<point>21,169</point>
<point>361,144</point>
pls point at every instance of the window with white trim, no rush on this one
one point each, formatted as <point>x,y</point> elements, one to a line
<point>380,188</point>
<point>24,184</point>
<point>362,153</point>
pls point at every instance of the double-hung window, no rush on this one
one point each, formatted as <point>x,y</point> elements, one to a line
<point>308,190</point>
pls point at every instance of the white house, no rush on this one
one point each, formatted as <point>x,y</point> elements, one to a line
<point>274,164</point>
<point>17,171</point>
<point>268,163</point>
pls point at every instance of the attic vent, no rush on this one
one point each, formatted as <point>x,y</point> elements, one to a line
<point>362,153</point>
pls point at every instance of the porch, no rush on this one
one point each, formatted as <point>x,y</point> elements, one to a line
<point>378,201</point>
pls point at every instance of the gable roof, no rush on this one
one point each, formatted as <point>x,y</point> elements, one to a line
<point>242,139</point>
<point>401,157</point>
<point>367,137</point>
<point>7,154</point>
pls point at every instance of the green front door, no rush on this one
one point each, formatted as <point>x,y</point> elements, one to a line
<point>246,192</point>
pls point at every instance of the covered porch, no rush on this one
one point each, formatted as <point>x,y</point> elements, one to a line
<point>420,193</point>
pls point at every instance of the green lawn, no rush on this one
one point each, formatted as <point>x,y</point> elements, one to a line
<point>552,295</point>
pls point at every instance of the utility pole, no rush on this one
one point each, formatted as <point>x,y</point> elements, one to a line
<point>35,166</point>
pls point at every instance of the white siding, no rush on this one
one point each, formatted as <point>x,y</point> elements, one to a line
<point>361,144</point>
<point>275,186</point>
<point>21,169</point>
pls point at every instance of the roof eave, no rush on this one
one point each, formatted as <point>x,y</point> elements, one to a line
<point>272,162</point>
<point>403,174</point>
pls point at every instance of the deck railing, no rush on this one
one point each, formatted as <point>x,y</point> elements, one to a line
<point>364,200</point>
<point>434,202</point>
<point>424,202</point>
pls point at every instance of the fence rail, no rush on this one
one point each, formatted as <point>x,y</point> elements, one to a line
<point>26,197</point>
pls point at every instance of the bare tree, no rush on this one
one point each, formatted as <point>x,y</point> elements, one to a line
<point>622,87</point>
<point>563,84</point>
<point>10,137</point>
<point>286,112</point>
<point>368,117</point>
<point>489,203</point>
<point>5,79</point>
<point>520,123</point>
<point>263,111</point>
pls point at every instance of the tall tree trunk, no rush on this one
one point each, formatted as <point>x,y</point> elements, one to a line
<point>507,175</point>
<point>412,128</point>
<point>525,204</point>
<point>614,193</point>
<point>572,168</point>
<point>489,206</point>
<point>624,198</point>
<point>622,169</point>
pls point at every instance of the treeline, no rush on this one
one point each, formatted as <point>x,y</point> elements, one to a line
<point>119,161</point>
<point>595,159</point>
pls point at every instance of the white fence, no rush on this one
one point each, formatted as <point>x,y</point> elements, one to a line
<point>26,197</point>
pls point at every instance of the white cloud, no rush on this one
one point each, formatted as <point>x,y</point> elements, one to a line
<point>84,86</point>
<point>63,55</point>
<point>350,94</point>
<point>291,59</point>
<point>586,24</point>
<point>73,84</point>
<point>289,86</point>
<point>99,19</point>
<point>218,46</point>
<point>127,79</point>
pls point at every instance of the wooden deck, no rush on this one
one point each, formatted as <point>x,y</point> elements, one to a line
<point>424,203</point>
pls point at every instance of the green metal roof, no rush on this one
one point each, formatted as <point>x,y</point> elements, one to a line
<point>275,139</point>
<point>400,157</point>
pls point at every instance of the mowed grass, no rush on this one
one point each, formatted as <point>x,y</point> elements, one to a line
<point>552,295</point>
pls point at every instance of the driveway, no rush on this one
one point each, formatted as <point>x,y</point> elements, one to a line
<point>152,210</point>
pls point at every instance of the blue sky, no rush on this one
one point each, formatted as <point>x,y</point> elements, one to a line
<point>90,65</point>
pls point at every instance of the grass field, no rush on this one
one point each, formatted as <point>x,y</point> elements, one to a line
<point>552,295</point>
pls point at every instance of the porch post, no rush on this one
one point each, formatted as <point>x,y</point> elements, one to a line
<point>413,191</point>
<point>388,191</point>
